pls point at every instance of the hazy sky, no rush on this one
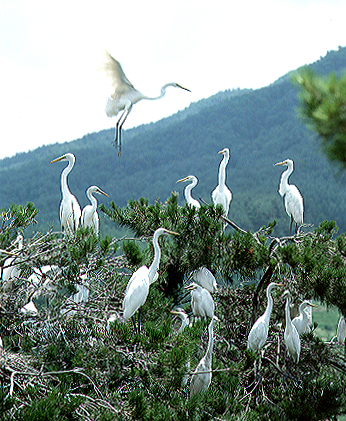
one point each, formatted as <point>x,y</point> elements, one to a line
<point>51,91</point>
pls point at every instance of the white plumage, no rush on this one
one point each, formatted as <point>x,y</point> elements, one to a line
<point>10,269</point>
<point>90,217</point>
<point>70,211</point>
<point>183,317</point>
<point>221,195</point>
<point>205,278</point>
<point>259,331</point>
<point>341,331</point>
<point>187,191</point>
<point>291,336</point>
<point>292,197</point>
<point>202,302</point>
<point>302,321</point>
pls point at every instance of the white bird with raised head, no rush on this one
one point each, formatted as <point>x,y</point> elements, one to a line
<point>205,278</point>
<point>201,377</point>
<point>202,302</point>
<point>138,286</point>
<point>291,336</point>
<point>259,331</point>
<point>187,191</point>
<point>124,95</point>
<point>221,195</point>
<point>302,322</point>
<point>341,331</point>
<point>183,317</point>
<point>70,211</point>
<point>90,217</point>
<point>292,197</point>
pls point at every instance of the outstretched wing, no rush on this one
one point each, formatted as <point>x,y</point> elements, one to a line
<point>119,82</point>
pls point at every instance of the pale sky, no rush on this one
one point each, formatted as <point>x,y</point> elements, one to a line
<point>51,91</point>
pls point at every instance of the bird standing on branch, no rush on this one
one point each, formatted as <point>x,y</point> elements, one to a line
<point>90,217</point>
<point>187,191</point>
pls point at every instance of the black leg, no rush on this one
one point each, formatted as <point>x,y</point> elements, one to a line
<point>139,320</point>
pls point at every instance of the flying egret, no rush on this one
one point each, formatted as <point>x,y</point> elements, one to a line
<point>10,269</point>
<point>259,331</point>
<point>205,278</point>
<point>138,286</point>
<point>187,191</point>
<point>201,377</point>
<point>202,302</point>
<point>70,212</point>
<point>291,336</point>
<point>301,322</point>
<point>292,197</point>
<point>124,95</point>
<point>341,331</point>
<point>183,317</point>
<point>90,217</point>
<point>221,195</point>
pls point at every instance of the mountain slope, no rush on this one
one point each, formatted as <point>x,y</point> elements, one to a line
<point>260,127</point>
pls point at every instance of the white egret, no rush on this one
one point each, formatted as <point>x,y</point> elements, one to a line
<point>292,197</point>
<point>202,302</point>
<point>201,377</point>
<point>259,331</point>
<point>10,269</point>
<point>183,317</point>
<point>221,195</point>
<point>291,336</point>
<point>301,322</point>
<point>70,211</point>
<point>187,191</point>
<point>205,278</point>
<point>124,95</point>
<point>138,286</point>
<point>341,331</point>
<point>90,217</point>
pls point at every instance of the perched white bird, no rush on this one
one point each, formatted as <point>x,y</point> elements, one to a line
<point>259,331</point>
<point>291,336</point>
<point>29,308</point>
<point>302,322</point>
<point>187,191</point>
<point>221,195</point>
<point>70,212</point>
<point>138,286</point>
<point>124,95</point>
<point>183,317</point>
<point>292,197</point>
<point>201,378</point>
<point>202,302</point>
<point>90,217</point>
<point>341,331</point>
<point>10,269</point>
<point>205,278</point>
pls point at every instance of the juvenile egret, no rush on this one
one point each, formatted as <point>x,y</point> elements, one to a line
<point>341,331</point>
<point>70,212</point>
<point>291,336</point>
<point>201,378</point>
<point>187,191</point>
<point>138,286</point>
<point>301,322</point>
<point>205,278</point>
<point>183,317</point>
<point>10,269</point>
<point>221,195</point>
<point>292,197</point>
<point>90,217</point>
<point>259,331</point>
<point>202,302</point>
<point>124,95</point>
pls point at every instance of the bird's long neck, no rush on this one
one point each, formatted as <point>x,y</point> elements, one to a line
<point>209,353</point>
<point>157,256</point>
<point>93,201</point>
<point>269,308</point>
<point>187,191</point>
<point>222,171</point>
<point>287,313</point>
<point>284,181</point>
<point>304,313</point>
<point>64,186</point>
<point>162,93</point>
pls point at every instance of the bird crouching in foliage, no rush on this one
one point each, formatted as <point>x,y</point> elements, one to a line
<point>292,197</point>
<point>302,322</point>
<point>183,317</point>
<point>187,191</point>
<point>124,95</point>
<point>205,278</point>
<point>90,217</point>
<point>291,336</point>
<point>202,302</point>
<point>138,286</point>
<point>70,211</point>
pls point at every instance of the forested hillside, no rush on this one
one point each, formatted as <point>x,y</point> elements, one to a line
<point>260,127</point>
